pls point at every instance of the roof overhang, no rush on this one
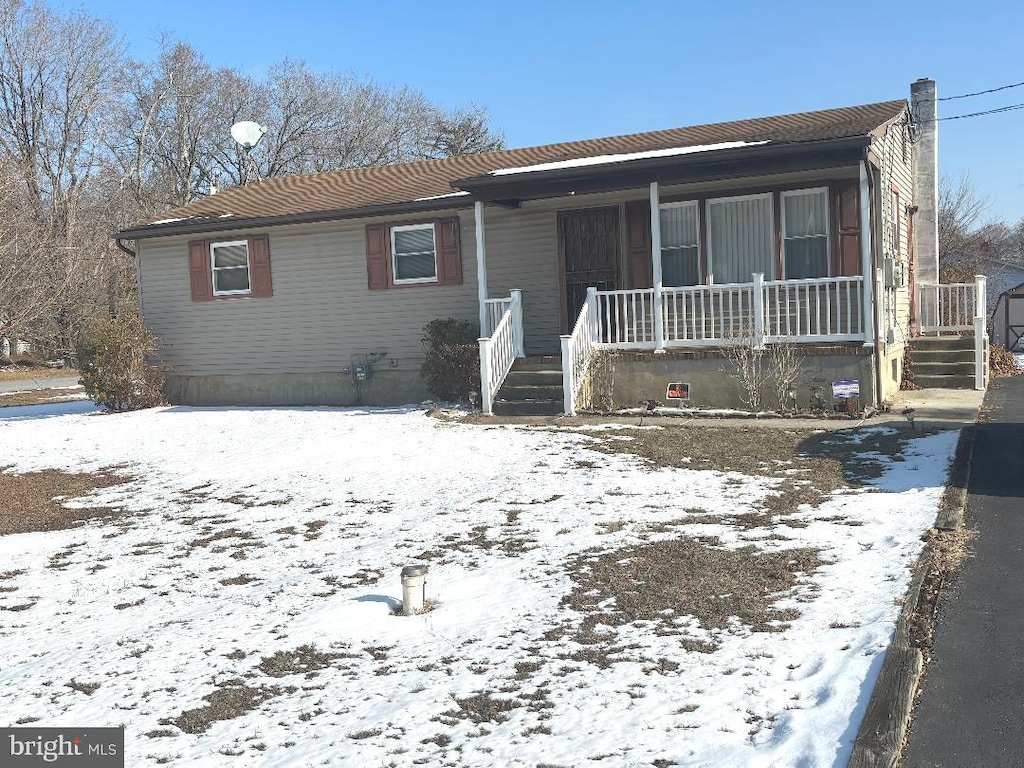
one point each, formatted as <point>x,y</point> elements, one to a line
<point>202,225</point>
<point>759,160</point>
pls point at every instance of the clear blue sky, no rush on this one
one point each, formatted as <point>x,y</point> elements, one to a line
<point>562,70</point>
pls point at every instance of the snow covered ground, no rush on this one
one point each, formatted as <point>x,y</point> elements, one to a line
<point>258,566</point>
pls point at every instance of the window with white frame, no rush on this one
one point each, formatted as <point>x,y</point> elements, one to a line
<point>413,254</point>
<point>680,244</point>
<point>229,263</point>
<point>741,238</point>
<point>805,233</point>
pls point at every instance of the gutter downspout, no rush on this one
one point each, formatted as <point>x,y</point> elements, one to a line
<point>869,223</point>
<point>124,248</point>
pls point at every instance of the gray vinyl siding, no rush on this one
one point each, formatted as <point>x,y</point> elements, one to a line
<point>321,312</point>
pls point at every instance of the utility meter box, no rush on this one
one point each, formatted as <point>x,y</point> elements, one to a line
<point>894,273</point>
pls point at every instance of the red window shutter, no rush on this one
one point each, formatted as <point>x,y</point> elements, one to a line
<point>449,257</point>
<point>259,267</point>
<point>377,253</point>
<point>848,203</point>
<point>199,271</point>
<point>638,233</point>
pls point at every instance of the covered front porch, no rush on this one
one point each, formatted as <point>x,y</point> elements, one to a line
<point>800,243</point>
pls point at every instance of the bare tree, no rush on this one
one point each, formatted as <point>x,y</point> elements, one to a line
<point>960,212</point>
<point>461,132</point>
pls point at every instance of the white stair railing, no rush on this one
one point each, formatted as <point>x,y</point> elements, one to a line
<point>495,309</point>
<point>578,348</point>
<point>947,306</point>
<point>499,350</point>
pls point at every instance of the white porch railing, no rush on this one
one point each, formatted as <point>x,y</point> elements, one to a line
<point>817,309</point>
<point>707,314</point>
<point>578,347</point>
<point>500,349</point>
<point>946,307</point>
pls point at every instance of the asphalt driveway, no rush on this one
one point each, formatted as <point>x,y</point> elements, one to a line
<point>971,708</point>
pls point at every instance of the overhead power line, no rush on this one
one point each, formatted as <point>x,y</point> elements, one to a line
<point>1010,108</point>
<point>979,93</point>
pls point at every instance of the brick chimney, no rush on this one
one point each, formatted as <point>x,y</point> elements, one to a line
<point>924,111</point>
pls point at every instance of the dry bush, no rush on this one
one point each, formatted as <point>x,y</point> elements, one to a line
<point>1001,362</point>
<point>451,365</point>
<point>113,360</point>
<point>751,367</point>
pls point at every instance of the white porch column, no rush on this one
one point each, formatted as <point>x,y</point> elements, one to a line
<point>866,270</point>
<point>659,320</point>
<point>481,267</point>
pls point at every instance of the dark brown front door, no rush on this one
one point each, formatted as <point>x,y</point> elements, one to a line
<point>588,241</point>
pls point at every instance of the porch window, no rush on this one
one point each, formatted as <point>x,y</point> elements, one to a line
<point>413,254</point>
<point>741,238</point>
<point>230,267</point>
<point>680,244</point>
<point>805,233</point>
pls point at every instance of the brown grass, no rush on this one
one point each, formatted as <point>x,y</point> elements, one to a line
<point>29,504</point>
<point>664,581</point>
<point>225,703</point>
<point>19,372</point>
<point>39,397</point>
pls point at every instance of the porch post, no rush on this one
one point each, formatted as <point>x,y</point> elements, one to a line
<point>980,335</point>
<point>659,321</point>
<point>758,310</point>
<point>481,267</point>
<point>866,271</point>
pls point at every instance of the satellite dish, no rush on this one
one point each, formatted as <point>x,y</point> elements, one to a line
<point>247,133</point>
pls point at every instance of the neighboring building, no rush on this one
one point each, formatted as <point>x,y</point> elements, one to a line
<point>314,289</point>
<point>1005,302</point>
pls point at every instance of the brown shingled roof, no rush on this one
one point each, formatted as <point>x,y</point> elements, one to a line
<point>405,183</point>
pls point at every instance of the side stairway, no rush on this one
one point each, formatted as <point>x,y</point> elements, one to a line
<point>943,362</point>
<point>532,388</point>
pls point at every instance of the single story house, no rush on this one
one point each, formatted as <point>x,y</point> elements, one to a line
<point>661,249</point>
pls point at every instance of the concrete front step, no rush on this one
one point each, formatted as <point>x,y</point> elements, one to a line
<point>942,355</point>
<point>942,342</point>
<point>533,378</point>
<point>537,407</point>
<point>943,367</point>
<point>944,381</point>
<point>538,363</point>
<point>511,391</point>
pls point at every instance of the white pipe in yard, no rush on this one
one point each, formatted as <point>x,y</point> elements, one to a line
<point>414,583</point>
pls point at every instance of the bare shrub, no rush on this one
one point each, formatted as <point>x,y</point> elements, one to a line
<point>113,360</point>
<point>598,391</point>
<point>751,367</point>
<point>784,366</point>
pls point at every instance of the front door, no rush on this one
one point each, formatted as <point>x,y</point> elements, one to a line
<point>588,242</point>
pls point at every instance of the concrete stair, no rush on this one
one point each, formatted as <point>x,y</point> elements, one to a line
<point>943,362</point>
<point>532,388</point>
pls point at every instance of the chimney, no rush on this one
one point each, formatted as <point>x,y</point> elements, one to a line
<point>924,112</point>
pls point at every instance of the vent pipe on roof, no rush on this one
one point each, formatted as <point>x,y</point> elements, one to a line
<point>924,111</point>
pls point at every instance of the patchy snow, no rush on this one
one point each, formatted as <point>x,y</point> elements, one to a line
<point>441,197</point>
<point>581,162</point>
<point>322,507</point>
<point>165,221</point>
